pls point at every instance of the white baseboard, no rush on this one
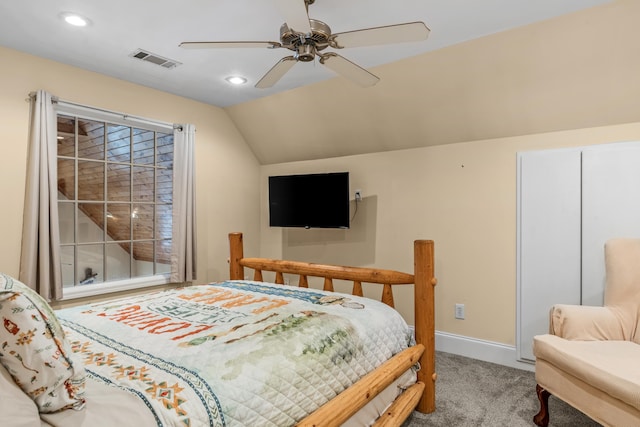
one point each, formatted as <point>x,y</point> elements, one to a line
<point>487,351</point>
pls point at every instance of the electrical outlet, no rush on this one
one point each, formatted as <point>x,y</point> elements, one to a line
<point>460,311</point>
<point>358,195</point>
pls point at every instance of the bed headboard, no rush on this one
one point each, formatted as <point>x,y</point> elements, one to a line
<point>304,270</point>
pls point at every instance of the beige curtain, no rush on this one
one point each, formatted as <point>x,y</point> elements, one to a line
<point>40,257</point>
<point>183,249</point>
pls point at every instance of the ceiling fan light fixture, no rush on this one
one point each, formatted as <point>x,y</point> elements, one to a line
<point>305,53</point>
<point>75,19</point>
<point>236,80</point>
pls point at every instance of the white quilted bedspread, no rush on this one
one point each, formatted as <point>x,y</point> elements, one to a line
<point>236,353</point>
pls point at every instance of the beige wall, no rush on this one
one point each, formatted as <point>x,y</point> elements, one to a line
<point>463,196</point>
<point>462,113</point>
<point>568,73</point>
<point>227,172</point>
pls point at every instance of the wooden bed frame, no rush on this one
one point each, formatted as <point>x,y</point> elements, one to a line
<point>421,395</point>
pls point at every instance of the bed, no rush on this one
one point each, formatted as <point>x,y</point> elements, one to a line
<point>238,352</point>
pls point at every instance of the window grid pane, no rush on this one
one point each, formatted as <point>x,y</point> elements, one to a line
<point>91,182</point>
<point>118,261</point>
<point>143,266</point>
<point>66,136</point>
<point>163,256</point>
<point>66,222</point>
<point>118,143</point>
<point>67,257</point>
<point>90,264</point>
<point>143,184</point>
<point>118,182</point>
<point>90,139</point>
<point>142,217</point>
<point>115,191</point>
<point>119,221</point>
<point>66,179</point>
<point>143,146</point>
<point>164,150</point>
<point>90,220</point>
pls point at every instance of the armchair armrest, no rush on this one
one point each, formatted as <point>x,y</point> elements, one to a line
<point>586,323</point>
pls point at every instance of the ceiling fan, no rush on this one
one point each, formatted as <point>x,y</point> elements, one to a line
<point>308,38</point>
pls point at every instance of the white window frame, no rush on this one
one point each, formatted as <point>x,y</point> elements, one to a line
<point>89,113</point>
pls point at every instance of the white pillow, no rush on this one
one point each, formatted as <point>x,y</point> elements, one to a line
<point>17,409</point>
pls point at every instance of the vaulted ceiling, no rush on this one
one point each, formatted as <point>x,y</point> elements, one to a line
<point>574,71</point>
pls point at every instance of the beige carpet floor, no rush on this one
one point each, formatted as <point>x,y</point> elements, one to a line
<point>470,392</point>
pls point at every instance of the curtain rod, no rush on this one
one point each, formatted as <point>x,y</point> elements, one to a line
<point>124,116</point>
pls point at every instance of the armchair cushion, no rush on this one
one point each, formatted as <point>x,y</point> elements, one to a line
<point>587,323</point>
<point>606,365</point>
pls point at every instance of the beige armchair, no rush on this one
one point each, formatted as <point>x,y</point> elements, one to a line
<point>591,356</point>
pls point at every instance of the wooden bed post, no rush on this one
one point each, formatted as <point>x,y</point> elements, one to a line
<point>236,251</point>
<point>425,320</point>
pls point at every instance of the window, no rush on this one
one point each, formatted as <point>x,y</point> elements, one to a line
<point>114,203</point>
<point>124,198</point>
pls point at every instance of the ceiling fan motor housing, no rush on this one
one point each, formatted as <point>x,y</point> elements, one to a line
<point>306,45</point>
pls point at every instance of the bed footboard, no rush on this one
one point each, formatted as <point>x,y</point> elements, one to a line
<point>421,396</point>
<point>343,406</point>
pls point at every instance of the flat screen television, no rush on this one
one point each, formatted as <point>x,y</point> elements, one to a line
<point>310,201</point>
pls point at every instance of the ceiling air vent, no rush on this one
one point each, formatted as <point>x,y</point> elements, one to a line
<point>155,59</point>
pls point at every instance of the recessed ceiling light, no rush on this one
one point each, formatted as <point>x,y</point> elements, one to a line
<point>75,19</point>
<point>236,80</point>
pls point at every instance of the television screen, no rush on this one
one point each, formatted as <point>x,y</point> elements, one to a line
<point>310,201</point>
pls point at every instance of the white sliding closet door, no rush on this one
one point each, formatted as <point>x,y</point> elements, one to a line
<point>548,239</point>
<point>610,208</point>
<point>570,202</point>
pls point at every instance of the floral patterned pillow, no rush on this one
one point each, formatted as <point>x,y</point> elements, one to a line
<point>34,350</point>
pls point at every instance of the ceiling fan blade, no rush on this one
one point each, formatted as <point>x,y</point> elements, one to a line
<point>399,33</point>
<point>216,45</point>
<point>276,72</point>
<point>295,14</point>
<point>349,70</point>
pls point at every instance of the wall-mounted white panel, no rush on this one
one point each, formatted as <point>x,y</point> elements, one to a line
<point>548,251</point>
<point>610,208</point>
